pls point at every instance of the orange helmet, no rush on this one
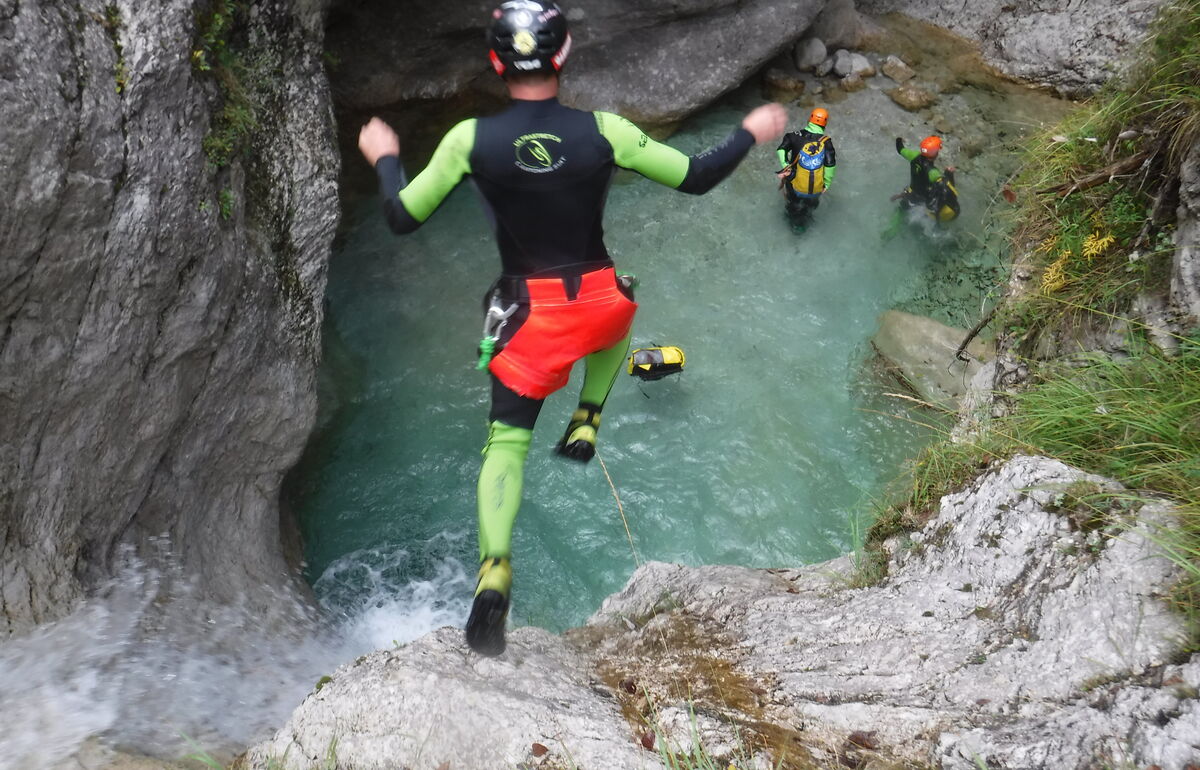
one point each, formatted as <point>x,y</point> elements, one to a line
<point>819,116</point>
<point>930,146</point>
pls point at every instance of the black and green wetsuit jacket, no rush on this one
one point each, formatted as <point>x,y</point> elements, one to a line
<point>922,174</point>
<point>792,142</point>
<point>543,171</point>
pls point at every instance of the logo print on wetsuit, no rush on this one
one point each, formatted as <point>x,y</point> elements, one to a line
<point>538,153</point>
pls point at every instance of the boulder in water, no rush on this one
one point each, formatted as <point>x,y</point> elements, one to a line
<point>911,97</point>
<point>922,350</point>
<point>809,53</point>
<point>895,68</point>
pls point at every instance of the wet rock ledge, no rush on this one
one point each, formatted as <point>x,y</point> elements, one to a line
<point>1018,627</point>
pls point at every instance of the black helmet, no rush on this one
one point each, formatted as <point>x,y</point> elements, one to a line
<point>528,36</point>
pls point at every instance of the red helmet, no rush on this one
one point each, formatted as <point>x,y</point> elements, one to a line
<point>930,146</point>
<point>820,116</point>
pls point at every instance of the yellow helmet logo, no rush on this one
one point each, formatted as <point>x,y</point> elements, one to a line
<point>524,42</point>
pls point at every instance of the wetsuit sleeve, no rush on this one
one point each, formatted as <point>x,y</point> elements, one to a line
<point>830,162</point>
<point>908,154</point>
<point>785,147</point>
<point>407,206</point>
<point>696,174</point>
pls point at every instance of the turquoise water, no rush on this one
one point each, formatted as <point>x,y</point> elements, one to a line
<point>768,450</point>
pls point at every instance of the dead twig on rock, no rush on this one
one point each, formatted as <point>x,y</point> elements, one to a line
<point>1106,174</point>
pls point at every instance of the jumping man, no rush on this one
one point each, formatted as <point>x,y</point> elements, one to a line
<point>543,171</point>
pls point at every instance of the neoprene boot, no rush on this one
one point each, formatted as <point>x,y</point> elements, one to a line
<point>485,626</point>
<point>579,441</point>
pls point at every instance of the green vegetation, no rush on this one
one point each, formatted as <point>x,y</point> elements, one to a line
<point>1095,218</point>
<point>217,52</point>
<point>1095,195</point>
<point>225,201</point>
<point>696,756</point>
<point>112,25</point>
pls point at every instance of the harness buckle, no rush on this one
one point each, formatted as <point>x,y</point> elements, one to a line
<point>494,321</point>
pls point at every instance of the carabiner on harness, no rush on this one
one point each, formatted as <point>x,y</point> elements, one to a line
<point>494,322</point>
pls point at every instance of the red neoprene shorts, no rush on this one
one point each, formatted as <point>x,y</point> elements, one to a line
<point>558,332</point>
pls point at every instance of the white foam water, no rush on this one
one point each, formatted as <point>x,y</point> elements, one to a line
<point>148,666</point>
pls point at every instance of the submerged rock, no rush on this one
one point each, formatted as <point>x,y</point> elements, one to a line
<point>911,97</point>
<point>852,82</point>
<point>782,85</point>
<point>895,68</point>
<point>922,349</point>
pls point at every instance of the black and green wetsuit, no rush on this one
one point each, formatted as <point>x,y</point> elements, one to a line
<point>788,152</point>
<point>543,171</point>
<point>922,176</point>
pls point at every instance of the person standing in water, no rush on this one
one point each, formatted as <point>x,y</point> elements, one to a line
<point>927,186</point>
<point>808,164</point>
<point>543,170</point>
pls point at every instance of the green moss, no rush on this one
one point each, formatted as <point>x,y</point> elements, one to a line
<point>221,52</point>
<point>112,24</point>
<point>225,202</point>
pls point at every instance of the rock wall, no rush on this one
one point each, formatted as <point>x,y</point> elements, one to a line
<point>1073,47</point>
<point>1023,627</point>
<point>1185,273</point>
<point>655,63</point>
<point>158,315</point>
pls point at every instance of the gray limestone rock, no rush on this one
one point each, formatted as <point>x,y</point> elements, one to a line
<point>678,56</point>
<point>1023,626</point>
<point>843,62</point>
<point>435,704</point>
<point>809,53</point>
<point>158,316</point>
<point>1073,47</point>
<point>991,637</point>
<point>1185,272</point>
<point>839,25</point>
<point>862,66</point>
<point>895,68</point>
<point>922,350</point>
<point>912,97</point>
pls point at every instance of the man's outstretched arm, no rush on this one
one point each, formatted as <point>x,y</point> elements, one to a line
<point>406,205</point>
<point>698,173</point>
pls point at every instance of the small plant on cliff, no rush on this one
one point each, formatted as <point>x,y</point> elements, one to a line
<point>217,52</point>
<point>111,21</point>
<point>225,202</point>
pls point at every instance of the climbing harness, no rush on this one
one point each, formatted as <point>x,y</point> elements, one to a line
<point>494,322</point>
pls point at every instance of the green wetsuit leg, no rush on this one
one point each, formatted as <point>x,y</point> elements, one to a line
<point>499,493</point>
<point>600,372</point>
